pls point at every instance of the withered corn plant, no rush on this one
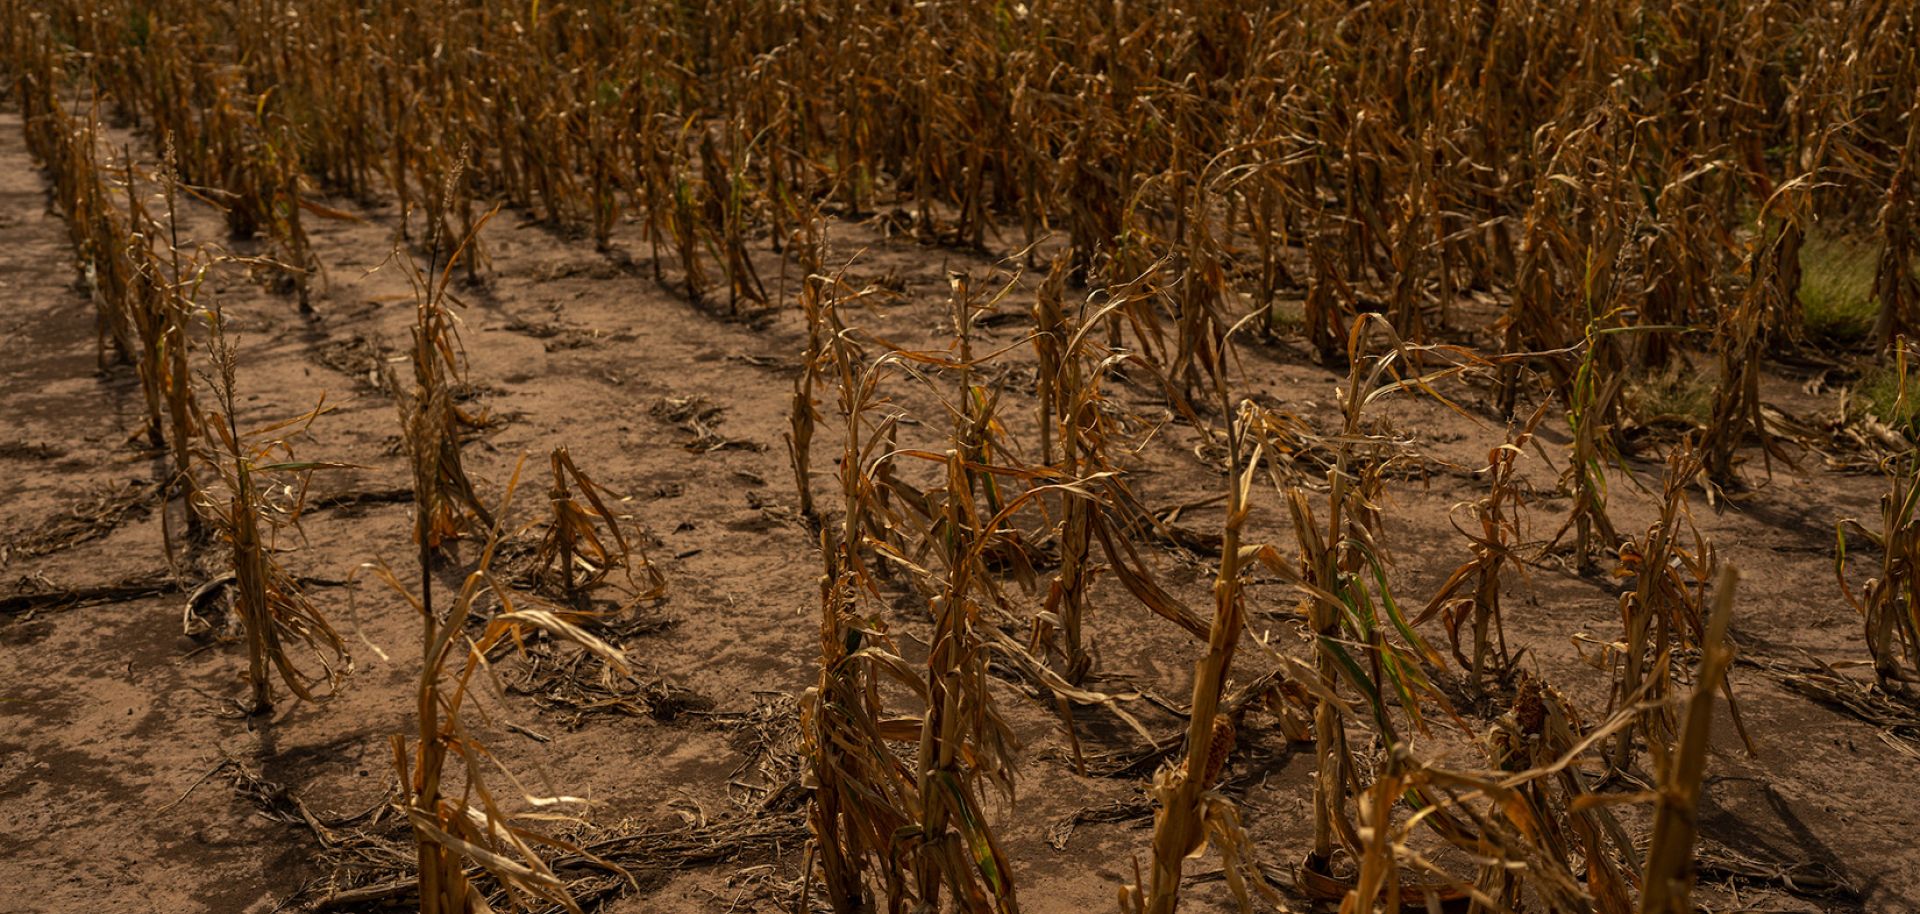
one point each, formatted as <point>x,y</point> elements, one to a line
<point>255,490</point>
<point>68,146</point>
<point>582,543</point>
<point>917,826</point>
<point>142,291</point>
<point>1067,382</point>
<point>964,745</point>
<point>1393,874</point>
<point>1592,397</point>
<point>1494,548</point>
<point>1896,286</point>
<point>1079,428</point>
<point>1681,269</point>
<point>1539,742</point>
<point>167,289</point>
<point>1889,601</point>
<point>1748,327</point>
<point>1534,824</point>
<point>447,504</point>
<point>461,830</point>
<point>1362,638</point>
<point>802,416</point>
<point>859,784</point>
<point>150,312</point>
<point>1669,874</point>
<point>915,820</point>
<point>1188,811</point>
<point>1664,613</point>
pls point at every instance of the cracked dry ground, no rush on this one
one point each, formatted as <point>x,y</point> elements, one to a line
<point>126,784</point>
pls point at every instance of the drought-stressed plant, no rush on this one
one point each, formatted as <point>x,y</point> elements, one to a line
<point>1889,601</point>
<point>1190,813</point>
<point>460,827</point>
<point>1681,766</point>
<point>256,488</point>
<point>1494,546</point>
<point>447,504</point>
<point>1666,610</point>
<point>583,543</point>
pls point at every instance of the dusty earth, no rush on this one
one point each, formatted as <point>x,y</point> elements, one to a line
<point>127,783</point>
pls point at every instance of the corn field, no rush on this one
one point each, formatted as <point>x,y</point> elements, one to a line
<point>1061,456</point>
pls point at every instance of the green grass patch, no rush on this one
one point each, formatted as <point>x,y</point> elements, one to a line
<point>1878,392</point>
<point>1670,396</point>
<point>1836,287</point>
<point>1288,316</point>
